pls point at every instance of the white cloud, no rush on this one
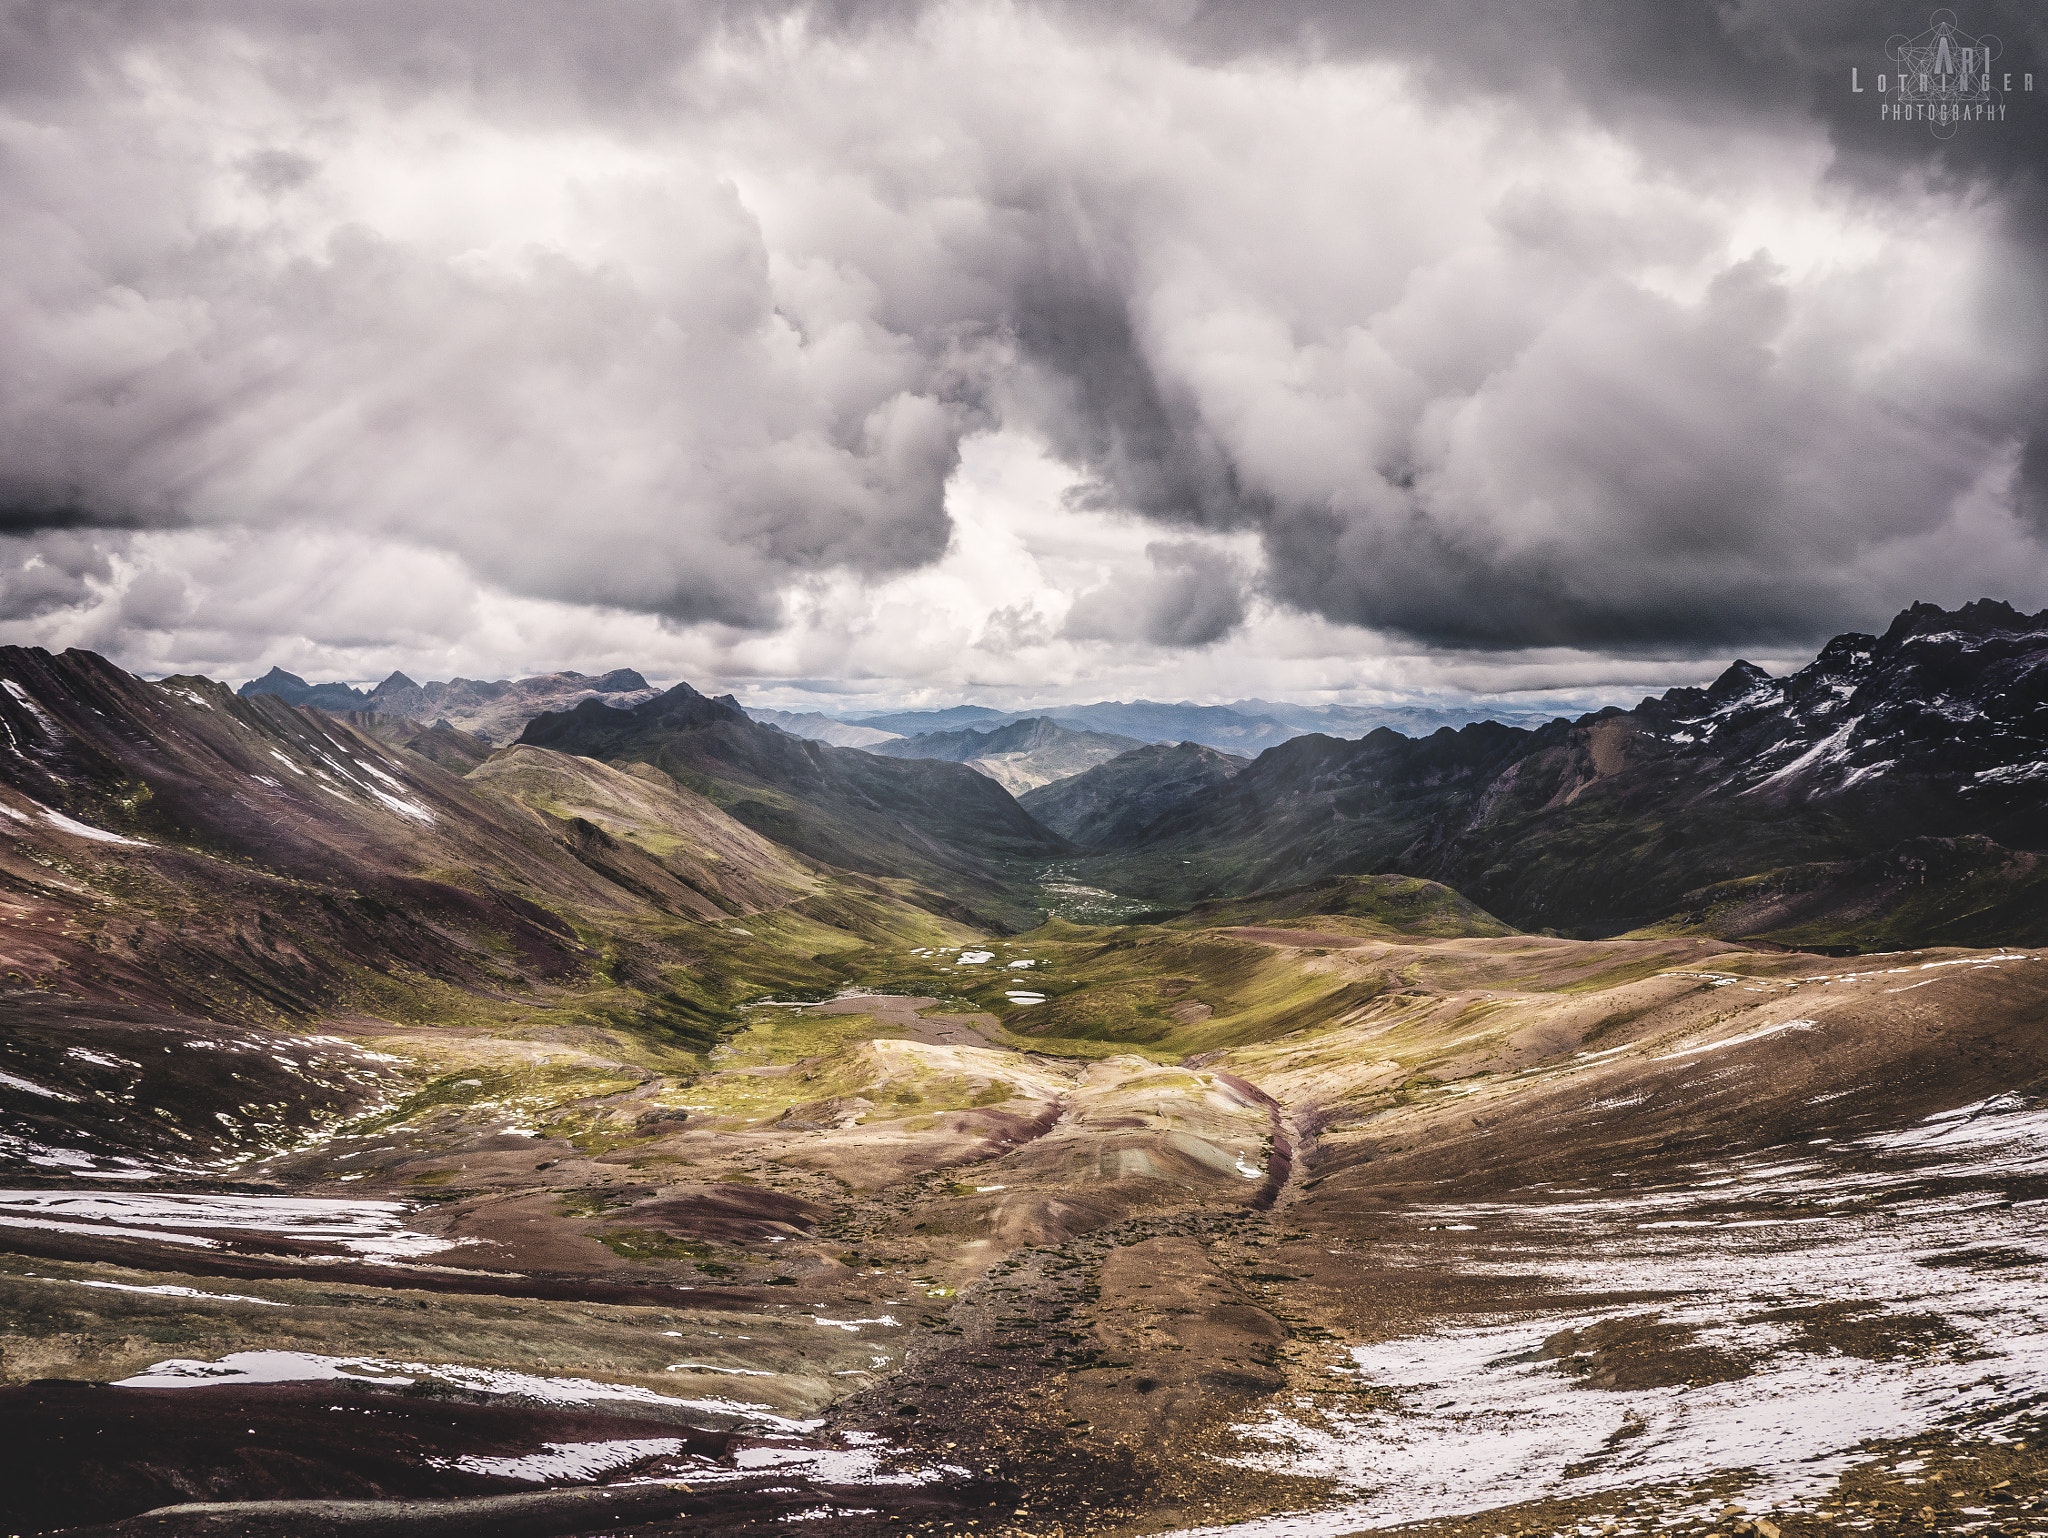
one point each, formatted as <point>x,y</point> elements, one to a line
<point>446,350</point>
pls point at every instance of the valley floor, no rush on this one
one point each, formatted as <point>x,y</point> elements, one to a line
<point>1286,1228</point>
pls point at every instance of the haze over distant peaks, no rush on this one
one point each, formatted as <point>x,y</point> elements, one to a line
<point>1245,726</point>
<point>1035,751</point>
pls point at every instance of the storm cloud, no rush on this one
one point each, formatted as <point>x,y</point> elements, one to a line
<point>1616,327</point>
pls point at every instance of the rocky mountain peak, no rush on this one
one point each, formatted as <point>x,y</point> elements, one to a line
<point>1740,678</point>
<point>276,681</point>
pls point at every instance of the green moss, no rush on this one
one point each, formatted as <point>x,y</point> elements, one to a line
<point>647,1244</point>
<point>588,1204</point>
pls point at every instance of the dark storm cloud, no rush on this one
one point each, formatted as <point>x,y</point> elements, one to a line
<point>1192,596</point>
<point>1550,325</point>
<point>55,572</point>
<point>1720,489</point>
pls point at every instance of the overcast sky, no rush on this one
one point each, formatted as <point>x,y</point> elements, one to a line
<point>1008,352</point>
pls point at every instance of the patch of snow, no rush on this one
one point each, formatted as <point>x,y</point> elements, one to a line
<point>403,808</point>
<point>27,702</point>
<point>369,1228</point>
<point>1824,752</point>
<point>1735,1041</point>
<point>100,1058</point>
<point>168,1291</point>
<point>2013,774</point>
<point>14,1081</point>
<point>84,830</point>
<point>296,1366</point>
<point>565,1460</point>
<point>260,1367</point>
<point>102,1230</point>
<point>857,1465</point>
<point>975,958</point>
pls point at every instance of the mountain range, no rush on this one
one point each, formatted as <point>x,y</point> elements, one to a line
<point>1891,792</point>
<point>495,712</point>
<point>1246,726</point>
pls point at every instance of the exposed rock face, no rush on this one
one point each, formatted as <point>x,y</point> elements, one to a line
<point>494,711</point>
<point>1032,752</point>
<point>1937,729</point>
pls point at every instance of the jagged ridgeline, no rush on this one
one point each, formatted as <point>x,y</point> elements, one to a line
<point>1894,792</point>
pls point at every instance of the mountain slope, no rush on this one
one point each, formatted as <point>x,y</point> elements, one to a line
<point>1113,803</point>
<point>455,750</point>
<point>178,848</point>
<point>1938,729</point>
<point>949,835</point>
<point>646,833</point>
<point>1020,756</point>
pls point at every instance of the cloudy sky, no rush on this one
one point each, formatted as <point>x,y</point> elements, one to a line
<point>852,355</point>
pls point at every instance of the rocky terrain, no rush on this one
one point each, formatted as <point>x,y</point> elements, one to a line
<point>668,1124</point>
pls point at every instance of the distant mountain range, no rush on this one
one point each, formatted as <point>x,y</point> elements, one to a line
<point>819,728</point>
<point>1035,751</point>
<point>1892,792</point>
<point>1247,726</point>
<point>496,712</point>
